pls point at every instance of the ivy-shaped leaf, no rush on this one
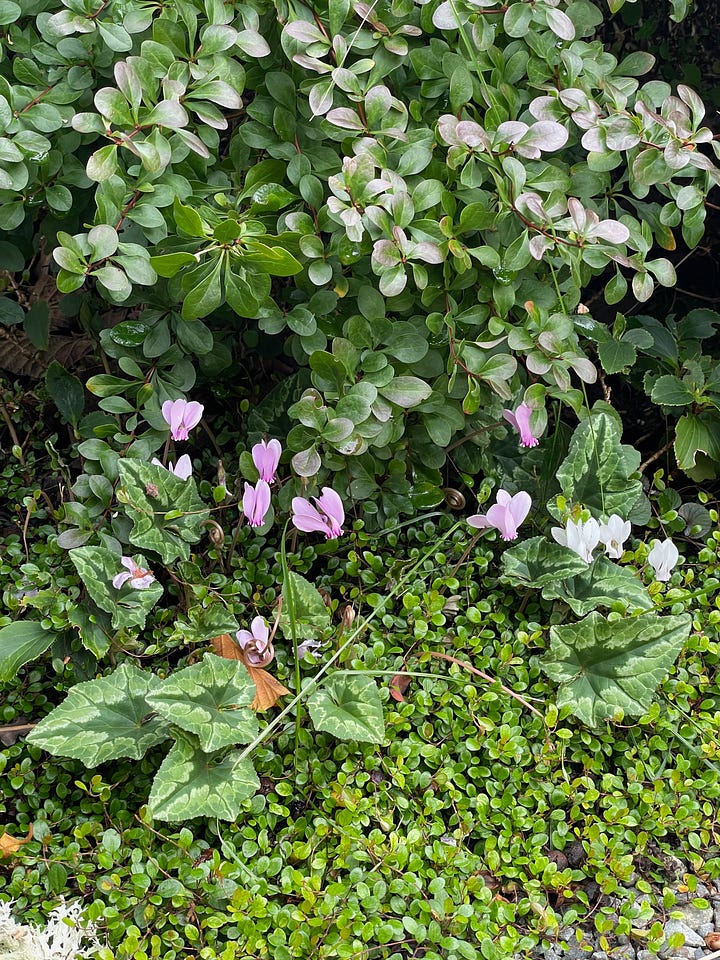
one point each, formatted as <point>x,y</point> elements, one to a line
<point>210,699</point>
<point>190,783</point>
<point>601,584</point>
<point>348,706</point>
<point>598,467</point>
<point>605,666</point>
<point>104,719</point>
<point>310,613</point>
<point>128,607</point>
<point>537,562</point>
<point>167,512</point>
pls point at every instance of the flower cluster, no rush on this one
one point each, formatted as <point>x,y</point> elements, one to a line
<point>583,537</point>
<point>326,516</point>
<point>580,536</point>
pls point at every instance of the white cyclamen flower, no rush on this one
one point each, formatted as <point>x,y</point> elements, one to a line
<point>662,558</point>
<point>613,534</point>
<point>581,536</point>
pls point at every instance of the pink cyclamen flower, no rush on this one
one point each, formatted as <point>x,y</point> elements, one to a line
<point>181,417</point>
<point>256,503</point>
<point>520,419</point>
<point>505,515</point>
<point>139,578</point>
<point>182,469</point>
<point>308,648</point>
<point>255,643</point>
<point>327,517</point>
<point>266,456</point>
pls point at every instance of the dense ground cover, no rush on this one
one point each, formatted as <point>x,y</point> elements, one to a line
<point>436,675</point>
<point>478,828</point>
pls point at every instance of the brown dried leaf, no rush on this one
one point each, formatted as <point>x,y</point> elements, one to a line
<point>712,940</point>
<point>10,845</point>
<point>268,690</point>
<point>225,646</point>
<point>398,686</point>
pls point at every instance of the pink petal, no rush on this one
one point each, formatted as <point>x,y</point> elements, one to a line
<point>306,517</point>
<point>193,414</point>
<point>500,516</point>
<point>519,506</point>
<point>167,409</point>
<point>266,456</point>
<point>183,468</point>
<point>120,579</point>
<point>142,583</point>
<point>479,521</point>
<point>331,504</point>
<point>260,631</point>
<point>256,502</point>
<point>243,637</point>
<point>511,418</point>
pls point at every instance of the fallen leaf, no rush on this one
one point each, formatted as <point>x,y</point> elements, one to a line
<point>712,940</point>
<point>268,690</point>
<point>10,845</point>
<point>398,685</point>
<point>225,646</point>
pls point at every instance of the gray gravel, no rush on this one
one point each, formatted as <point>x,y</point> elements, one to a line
<point>695,923</point>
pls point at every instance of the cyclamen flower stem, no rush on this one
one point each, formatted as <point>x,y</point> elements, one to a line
<point>290,592</point>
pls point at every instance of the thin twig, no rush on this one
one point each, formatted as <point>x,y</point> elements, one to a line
<point>480,673</point>
<point>16,728</point>
<point>656,456</point>
<point>697,296</point>
<point>11,428</point>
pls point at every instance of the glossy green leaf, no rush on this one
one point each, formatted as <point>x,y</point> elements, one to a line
<point>21,642</point>
<point>66,392</point>
<point>206,295</point>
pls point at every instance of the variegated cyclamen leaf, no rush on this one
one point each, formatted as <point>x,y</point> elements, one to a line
<point>210,699</point>
<point>104,719</point>
<point>605,666</point>
<point>191,783</point>
<point>348,706</point>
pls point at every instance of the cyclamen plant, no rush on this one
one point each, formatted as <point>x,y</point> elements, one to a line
<point>440,219</point>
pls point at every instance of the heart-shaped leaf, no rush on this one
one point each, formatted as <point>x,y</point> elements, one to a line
<point>191,784</point>
<point>349,707</point>
<point>605,666</point>
<point>210,699</point>
<point>104,719</point>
